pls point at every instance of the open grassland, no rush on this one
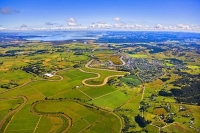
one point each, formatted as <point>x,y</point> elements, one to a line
<point>177,128</point>
<point>152,129</point>
<point>111,100</point>
<point>8,105</point>
<point>131,80</point>
<point>193,67</point>
<point>82,115</point>
<point>31,93</point>
<point>131,109</point>
<point>104,56</point>
<point>23,116</point>
<point>77,45</point>
<point>192,111</point>
<point>155,85</point>
<point>71,79</point>
<point>41,89</point>
<point>89,108</point>
<point>159,111</point>
<point>51,124</point>
<point>138,55</point>
<point>109,123</point>
<point>103,74</point>
<point>115,59</point>
<point>96,92</point>
<point>18,77</point>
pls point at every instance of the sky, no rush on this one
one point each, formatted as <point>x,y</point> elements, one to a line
<point>100,14</point>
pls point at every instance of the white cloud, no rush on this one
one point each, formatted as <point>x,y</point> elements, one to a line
<point>195,27</point>
<point>72,24</point>
<point>117,19</point>
<point>103,26</point>
<point>1,28</point>
<point>182,26</point>
<point>100,25</point>
<point>158,26</point>
<point>138,26</point>
<point>117,26</point>
<point>43,28</point>
<point>92,26</point>
<point>71,20</point>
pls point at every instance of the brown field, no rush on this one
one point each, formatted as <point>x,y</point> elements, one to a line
<point>159,111</point>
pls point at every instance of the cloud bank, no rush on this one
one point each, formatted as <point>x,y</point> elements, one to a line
<point>72,24</point>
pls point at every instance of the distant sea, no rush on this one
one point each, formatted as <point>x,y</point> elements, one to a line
<point>57,35</point>
<point>104,36</point>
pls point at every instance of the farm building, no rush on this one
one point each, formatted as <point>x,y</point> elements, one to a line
<point>48,75</point>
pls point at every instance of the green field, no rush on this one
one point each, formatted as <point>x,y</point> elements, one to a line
<point>103,75</point>
<point>111,100</point>
<point>138,55</point>
<point>24,116</point>
<point>74,100</point>
<point>131,80</point>
<point>8,105</point>
<point>82,114</point>
<point>193,67</point>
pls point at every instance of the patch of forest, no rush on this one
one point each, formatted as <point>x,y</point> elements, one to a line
<point>188,94</point>
<point>186,79</point>
<point>36,68</point>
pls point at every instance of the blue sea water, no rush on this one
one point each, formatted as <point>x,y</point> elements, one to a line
<point>57,35</point>
<point>103,36</point>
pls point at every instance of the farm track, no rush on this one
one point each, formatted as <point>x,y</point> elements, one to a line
<point>159,128</point>
<point>93,124</point>
<point>121,59</point>
<point>61,78</point>
<point>54,115</point>
<point>104,110</point>
<point>70,119</point>
<point>103,117</point>
<point>98,75</point>
<point>13,111</point>
<point>64,115</point>
<point>87,66</point>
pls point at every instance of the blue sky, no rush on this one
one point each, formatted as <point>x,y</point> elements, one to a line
<point>27,14</point>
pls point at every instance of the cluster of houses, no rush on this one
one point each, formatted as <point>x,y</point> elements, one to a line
<point>148,71</point>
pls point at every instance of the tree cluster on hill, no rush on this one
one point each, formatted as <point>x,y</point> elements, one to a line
<point>76,65</point>
<point>188,94</point>
<point>165,93</point>
<point>141,121</point>
<point>127,123</point>
<point>175,61</point>
<point>164,79</point>
<point>186,79</point>
<point>9,85</point>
